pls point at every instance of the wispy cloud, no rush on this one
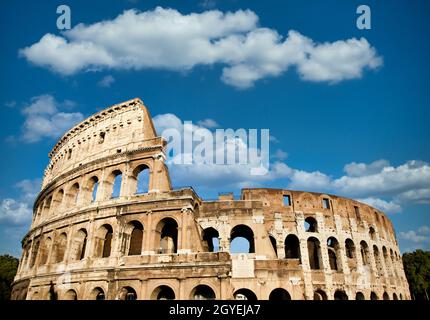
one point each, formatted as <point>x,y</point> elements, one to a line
<point>106,81</point>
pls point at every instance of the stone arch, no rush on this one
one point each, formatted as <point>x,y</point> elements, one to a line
<point>73,195</point>
<point>340,295</point>
<point>202,292</point>
<point>60,247</point>
<point>45,250</point>
<point>333,251</point>
<point>373,296</point>
<point>163,292</point>
<point>320,295</point>
<point>245,294</point>
<point>350,249</point>
<point>359,296</point>
<point>92,189</point>
<point>127,293</point>
<point>244,232</point>
<point>70,295</point>
<point>210,237</point>
<point>103,241</point>
<point>365,254</point>
<point>97,294</point>
<point>314,251</point>
<point>167,235</point>
<point>279,294</point>
<point>395,296</point>
<point>378,261</point>
<point>274,245</point>
<point>140,179</point>
<point>292,247</point>
<point>57,200</point>
<point>135,232</point>
<point>387,261</point>
<point>372,233</point>
<point>385,296</point>
<point>79,244</point>
<point>311,224</point>
<point>47,206</point>
<point>112,184</point>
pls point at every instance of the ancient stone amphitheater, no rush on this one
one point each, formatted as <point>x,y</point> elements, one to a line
<point>108,225</point>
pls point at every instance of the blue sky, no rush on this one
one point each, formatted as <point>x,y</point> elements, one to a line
<point>354,123</point>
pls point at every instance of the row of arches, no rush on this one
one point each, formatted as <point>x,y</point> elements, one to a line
<point>242,241</point>
<point>205,292</point>
<point>56,250</point>
<point>93,190</point>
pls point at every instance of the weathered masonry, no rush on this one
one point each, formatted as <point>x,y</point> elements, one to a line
<point>107,225</point>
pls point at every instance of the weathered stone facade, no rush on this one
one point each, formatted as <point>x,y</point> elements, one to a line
<point>107,225</point>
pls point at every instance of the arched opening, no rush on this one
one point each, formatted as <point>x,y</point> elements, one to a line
<point>350,249</point>
<point>116,177</point>
<point>385,296</point>
<point>93,186</point>
<point>372,233</point>
<point>80,244</point>
<point>44,252</point>
<point>202,292</point>
<point>359,296</point>
<point>401,296</point>
<point>244,294</point>
<point>314,250</point>
<point>47,206</point>
<point>333,253</point>
<point>387,261</point>
<point>279,294</point>
<point>167,231</point>
<point>128,293</point>
<point>57,200</point>
<point>103,241</point>
<point>210,237</point>
<point>70,295</point>
<point>274,246</point>
<point>34,251</point>
<point>136,238</point>
<point>320,295</point>
<point>98,294</point>
<point>373,296</point>
<point>340,295</point>
<point>242,239</point>
<point>395,297</point>
<point>163,293</point>
<point>61,245</point>
<point>311,225</point>
<point>364,250</point>
<point>73,195</point>
<point>292,247</point>
<point>378,261</point>
<point>141,174</point>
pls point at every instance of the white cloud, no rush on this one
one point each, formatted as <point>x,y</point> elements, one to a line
<point>418,236</point>
<point>208,123</point>
<point>362,169</point>
<point>167,39</point>
<point>43,119</point>
<point>379,184</point>
<point>10,104</point>
<point>107,81</point>
<point>19,211</point>
<point>385,206</point>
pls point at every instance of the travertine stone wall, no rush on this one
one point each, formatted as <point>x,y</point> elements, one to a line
<point>95,236</point>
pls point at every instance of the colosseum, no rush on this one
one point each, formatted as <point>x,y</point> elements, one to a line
<point>107,224</point>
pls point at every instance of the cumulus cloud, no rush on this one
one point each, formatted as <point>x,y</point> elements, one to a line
<point>19,211</point>
<point>166,39</point>
<point>43,119</point>
<point>106,82</point>
<point>422,235</point>
<point>386,206</point>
